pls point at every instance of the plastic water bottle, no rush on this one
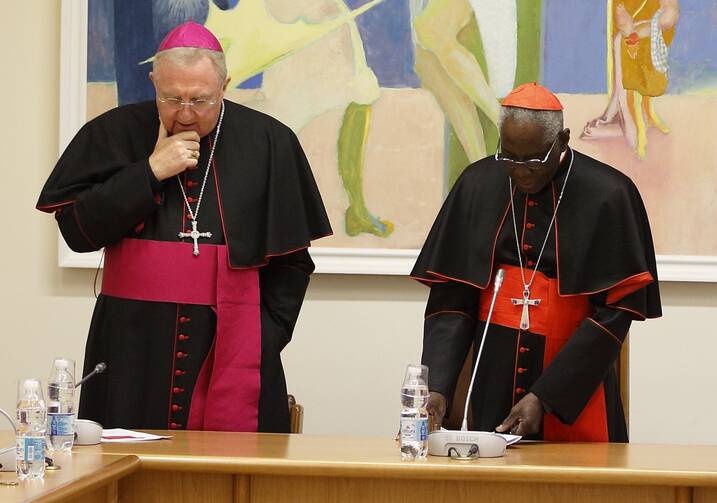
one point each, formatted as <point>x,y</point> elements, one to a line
<point>60,405</point>
<point>414,417</point>
<point>32,421</point>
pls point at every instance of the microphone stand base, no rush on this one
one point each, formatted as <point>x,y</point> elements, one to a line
<point>466,445</point>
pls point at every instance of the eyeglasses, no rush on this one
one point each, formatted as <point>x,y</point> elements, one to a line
<point>196,104</point>
<point>531,164</point>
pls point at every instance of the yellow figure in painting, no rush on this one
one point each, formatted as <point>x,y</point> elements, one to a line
<point>255,37</point>
<point>451,72</point>
<point>352,141</point>
<point>470,54</point>
<point>639,35</point>
<point>466,55</point>
<point>465,59</point>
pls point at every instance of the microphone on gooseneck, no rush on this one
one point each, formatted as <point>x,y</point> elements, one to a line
<point>498,282</point>
<point>99,368</point>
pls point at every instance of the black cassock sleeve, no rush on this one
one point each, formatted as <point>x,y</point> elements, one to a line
<point>102,186</point>
<point>106,211</point>
<point>571,378</point>
<point>283,282</point>
<point>448,334</point>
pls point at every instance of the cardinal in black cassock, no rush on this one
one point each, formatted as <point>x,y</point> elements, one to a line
<point>205,218</point>
<point>573,239</point>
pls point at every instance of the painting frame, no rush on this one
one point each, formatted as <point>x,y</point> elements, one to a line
<point>377,261</point>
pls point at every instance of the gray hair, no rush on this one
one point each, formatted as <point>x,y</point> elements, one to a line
<point>550,121</point>
<point>190,55</point>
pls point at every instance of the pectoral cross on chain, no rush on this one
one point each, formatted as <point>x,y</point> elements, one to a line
<point>195,235</point>
<point>526,302</point>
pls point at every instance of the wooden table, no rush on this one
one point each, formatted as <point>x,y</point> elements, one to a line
<point>242,467</point>
<point>83,478</point>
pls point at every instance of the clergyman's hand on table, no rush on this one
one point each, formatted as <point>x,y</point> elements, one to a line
<point>437,408</point>
<point>524,418</point>
<point>174,154</point>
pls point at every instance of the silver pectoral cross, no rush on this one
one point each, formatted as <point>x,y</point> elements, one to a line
<point>526,302</point>
<point>195,235</point>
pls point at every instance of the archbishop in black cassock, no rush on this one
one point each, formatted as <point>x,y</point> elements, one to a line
<point>260,200</point>
<point>594,273</point>
<point>102,190</point>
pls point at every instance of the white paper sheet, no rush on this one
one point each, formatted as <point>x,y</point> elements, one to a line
<point>511,439</point>
<point>119,435</point>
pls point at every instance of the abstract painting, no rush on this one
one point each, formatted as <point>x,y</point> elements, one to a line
<point>391,99</point>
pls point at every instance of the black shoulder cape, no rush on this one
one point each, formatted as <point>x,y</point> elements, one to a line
<point>269,199</point>
<point>603,234</point>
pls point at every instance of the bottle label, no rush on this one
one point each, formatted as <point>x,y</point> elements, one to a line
<point>414,429</point>
<point>30,449</point>
<point>61,424</point>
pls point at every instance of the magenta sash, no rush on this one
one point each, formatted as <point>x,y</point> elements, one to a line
<point>226,394</point>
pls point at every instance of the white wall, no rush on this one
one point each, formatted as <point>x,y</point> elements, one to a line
<point>355,334</point>
<point>673,377</point>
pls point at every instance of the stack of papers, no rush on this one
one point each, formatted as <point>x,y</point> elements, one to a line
<point>511,439</point>
<point>119,435</point>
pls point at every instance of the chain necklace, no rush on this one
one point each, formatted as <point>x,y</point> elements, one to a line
<point>194,233</point>
<point>526,301</point>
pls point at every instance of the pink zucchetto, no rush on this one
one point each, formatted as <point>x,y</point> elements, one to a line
<point>190,34</point>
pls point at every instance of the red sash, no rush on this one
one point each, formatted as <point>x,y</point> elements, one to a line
<point>556,318</point>
<point>226,394</point>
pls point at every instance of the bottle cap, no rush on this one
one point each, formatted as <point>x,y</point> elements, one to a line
<point>61,363</point>
<point>416,372</point>
<point>64,365</point>
<point>28,388</point>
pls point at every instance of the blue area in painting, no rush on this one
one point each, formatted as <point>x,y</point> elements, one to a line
<point>131,30</point>
<point>135,41</point>
<point>252,82</point>
<point>123,33</point>
<point>574,46</point>
<point>388,42</point>
<point>100,41</point>
<point>693,58</point>
<point>226,4</point>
